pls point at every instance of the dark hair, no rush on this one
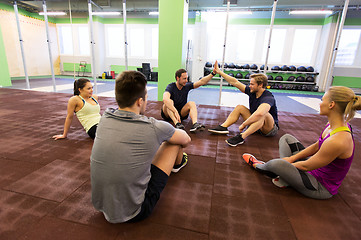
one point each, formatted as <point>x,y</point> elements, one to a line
<point>129,87</point>
<point>80,83</point>
<point>260,78</point>
<point>179,72</point>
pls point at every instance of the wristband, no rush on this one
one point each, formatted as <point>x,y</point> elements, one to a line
<point>213,73</point>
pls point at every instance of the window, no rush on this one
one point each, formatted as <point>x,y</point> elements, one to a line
<point>136,42</point>
<point>246,40</point>
<point>115,41</point>
<point>215,35</point>
<point>276,47</point>
<point>155,37</point>
<point>348,46</point>
<point>66,40</point>
<point>84,42</point>
<point>303,46</point>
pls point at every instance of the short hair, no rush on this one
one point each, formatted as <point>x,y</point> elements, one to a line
<point>260,78</point>
<point>346,99</point>
<point>129,87</point>
<point>179,72</point>
<point>80,83</point>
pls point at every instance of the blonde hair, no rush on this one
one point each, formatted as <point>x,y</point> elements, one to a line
<point>346,99</point>
<point>260,78</point>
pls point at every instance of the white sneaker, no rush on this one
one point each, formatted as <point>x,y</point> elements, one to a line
<point>279,182</point>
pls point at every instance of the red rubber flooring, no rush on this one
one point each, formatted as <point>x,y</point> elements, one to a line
<point>45,184</point>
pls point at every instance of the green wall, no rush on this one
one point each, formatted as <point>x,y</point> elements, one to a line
<point>352,82</point>
<point>69,67</point>
<point>5,80</point>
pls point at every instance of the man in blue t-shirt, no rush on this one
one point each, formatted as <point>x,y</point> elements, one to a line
<point>175,107</point>
<point>261,116</point>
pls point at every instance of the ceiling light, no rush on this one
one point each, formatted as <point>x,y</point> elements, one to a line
<point>310,12</point>
<point>153,13</point>
<point>105,13</point>
<point>53,13</point>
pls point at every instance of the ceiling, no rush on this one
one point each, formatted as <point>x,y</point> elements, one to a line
<point>80,7</point>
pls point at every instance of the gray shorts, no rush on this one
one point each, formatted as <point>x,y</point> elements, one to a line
<point>271,133</point>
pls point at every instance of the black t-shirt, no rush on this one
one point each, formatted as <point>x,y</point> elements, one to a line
<point>266,97</point>
<point>179,97</point>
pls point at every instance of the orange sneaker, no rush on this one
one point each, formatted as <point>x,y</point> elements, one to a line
<point>251,160</point>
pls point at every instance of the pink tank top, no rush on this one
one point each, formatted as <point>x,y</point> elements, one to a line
<point>332,175</point>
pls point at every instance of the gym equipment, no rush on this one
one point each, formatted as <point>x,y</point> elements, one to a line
<point>247,76</point>
<point>284,68</point>
<point>82,68</point>
<point>231,74</point>
<point>301,69</point>
<point>206,72</point>
<point>239,75</point>
<point>292,68</point>
<point>231,65</point>
<point>238,66</point>
<point>262,67</point>
<point>279,78</point>
<point>310,79</point>
<point>291,78</point>
<point>208,64</point>
<point>253,67</point>
<point>146,70</point>
<point>315,89</point>
<point>310,69</point>
<point>275,68</point>
<point>245,66</point>
<point>225,65</point>
<point>300,79</point>
<point>269,77</point>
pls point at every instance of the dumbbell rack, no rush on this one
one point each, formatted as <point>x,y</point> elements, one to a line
<point>273,84</point>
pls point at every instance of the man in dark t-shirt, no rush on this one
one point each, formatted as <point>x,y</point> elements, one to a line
<point>175,107</point>
<point>261,116</point>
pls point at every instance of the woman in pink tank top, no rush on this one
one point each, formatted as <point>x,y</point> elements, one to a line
<point>318,170</point>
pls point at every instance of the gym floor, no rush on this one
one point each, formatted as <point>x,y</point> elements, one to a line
<point>45,184</point>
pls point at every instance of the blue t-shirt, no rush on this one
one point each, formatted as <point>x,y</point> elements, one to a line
<point>266,97</point>
<point>179,97</point>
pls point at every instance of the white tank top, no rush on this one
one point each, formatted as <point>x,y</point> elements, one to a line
<point>88,115</point>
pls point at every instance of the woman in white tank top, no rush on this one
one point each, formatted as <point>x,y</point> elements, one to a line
<point>85,105</point>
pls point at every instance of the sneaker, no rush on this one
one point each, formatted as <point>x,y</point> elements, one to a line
<point>184,162</point>
<point>251,160</point>
<point>179,126</point>
<point>236,140</point>
<point>197,126</point>
<point>279,182</point>
<point>219,129</point>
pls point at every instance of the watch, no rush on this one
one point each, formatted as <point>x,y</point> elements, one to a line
<point>213,73</point>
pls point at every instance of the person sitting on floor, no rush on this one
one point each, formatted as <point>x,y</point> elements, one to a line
<point>261,116</point>
<point>175,107</point>
<point>133,155</point>
<point>318,170</point>
<point>86,107</point>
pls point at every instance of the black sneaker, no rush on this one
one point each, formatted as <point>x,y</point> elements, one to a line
<point>184,162</point>
<point>219,129</point>
<point>236,140</point>
<point>197,126</point>
<point>179,126</point>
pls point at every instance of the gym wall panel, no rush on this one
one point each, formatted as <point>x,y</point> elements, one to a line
<point>4,69</point>
<point>69,67</point>
<point>34,42</point>
<point>121,68</point>
<point>352,82</point>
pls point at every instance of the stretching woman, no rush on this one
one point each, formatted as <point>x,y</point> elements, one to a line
<point>86,107</point>
<point>318,170</point>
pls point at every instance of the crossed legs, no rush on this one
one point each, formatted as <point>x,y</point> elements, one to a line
<point>190,108</point>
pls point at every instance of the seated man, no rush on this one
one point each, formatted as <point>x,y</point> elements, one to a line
<point>133,155</point>
<point>176,107</point>
<point>261,115</point>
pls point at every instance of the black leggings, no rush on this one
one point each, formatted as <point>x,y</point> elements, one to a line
<point>91,132</point>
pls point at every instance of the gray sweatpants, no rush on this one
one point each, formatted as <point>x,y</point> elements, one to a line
<point>303,182</point>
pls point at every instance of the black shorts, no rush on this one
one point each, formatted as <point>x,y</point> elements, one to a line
<point>91,132</point>
<point>169,119</point>
<point>156,185</point>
